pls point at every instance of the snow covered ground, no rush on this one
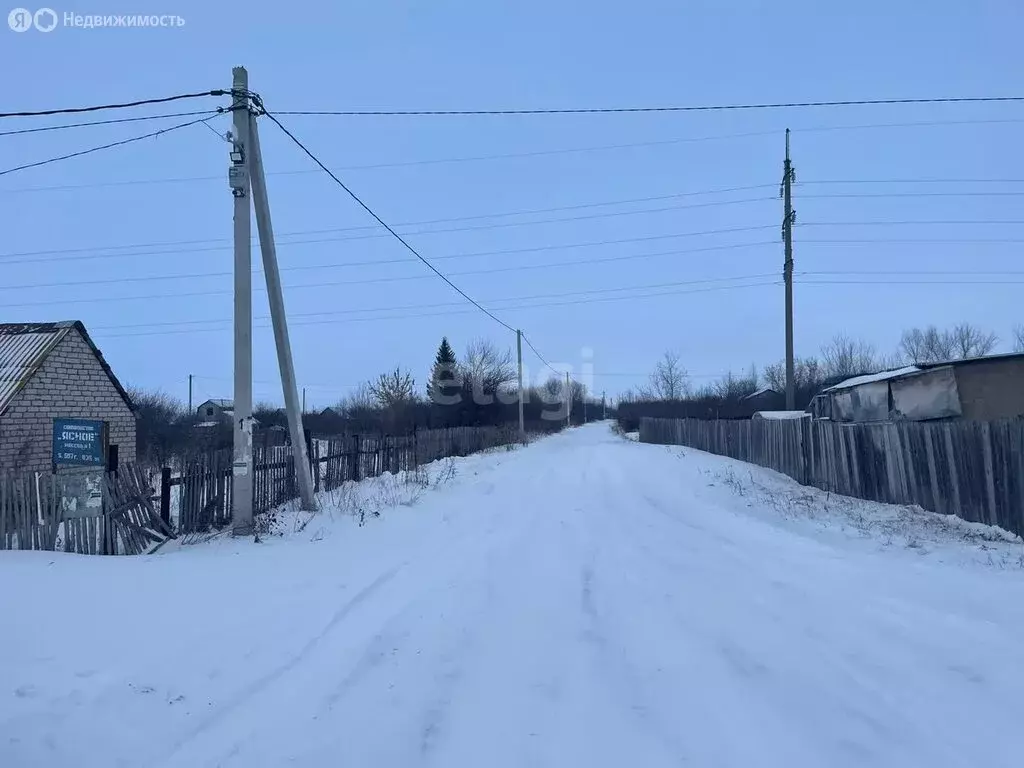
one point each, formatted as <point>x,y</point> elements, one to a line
<point>585,601</point>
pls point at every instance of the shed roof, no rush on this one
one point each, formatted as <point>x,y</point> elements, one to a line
<point>781,415</point>
<point>870,378</point>
<point>24,347</point>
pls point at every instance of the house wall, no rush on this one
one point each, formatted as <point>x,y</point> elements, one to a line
<point>70,383</point>
<point>929,395</point>
<point>991,389</point>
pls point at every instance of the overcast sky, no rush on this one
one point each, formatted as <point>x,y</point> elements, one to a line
<point>625,281</point>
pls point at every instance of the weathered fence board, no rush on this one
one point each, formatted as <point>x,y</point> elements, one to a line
<point>34,515</point>
<point>974,470</point>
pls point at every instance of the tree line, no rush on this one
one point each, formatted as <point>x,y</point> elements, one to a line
<point>669,393</point>
<point>478,388</point>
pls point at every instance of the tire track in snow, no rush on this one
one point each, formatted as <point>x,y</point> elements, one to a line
<point>262,683</point>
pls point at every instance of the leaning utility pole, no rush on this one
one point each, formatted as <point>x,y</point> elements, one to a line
<point>789,217</point>
<point>519,357</point>
<point>276,295</point>
<point>238,176</point>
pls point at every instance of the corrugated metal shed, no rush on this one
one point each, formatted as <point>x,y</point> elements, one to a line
<point>23,348</point>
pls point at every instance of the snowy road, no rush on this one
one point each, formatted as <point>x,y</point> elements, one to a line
<point>586,601</point>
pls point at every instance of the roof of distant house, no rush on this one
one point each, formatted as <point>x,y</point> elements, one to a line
<point>24,348</point>
<point>222,403</point>
<point>761,391</point>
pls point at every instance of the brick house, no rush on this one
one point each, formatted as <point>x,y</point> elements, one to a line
<point>50,371</point>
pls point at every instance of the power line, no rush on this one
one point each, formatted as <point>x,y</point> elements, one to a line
<point>523,212</point>
<point>380,221</point>
<point>908,223</point>
<point>666,209</point>
<point>539,355</point>
<point>123,105</point>
<point>559,294</point>
<point>804,182</point>
<point>624,110</point>
<point>111,145</point>
<point>332,283</point>
<point>102,122</point>
<point>308,267</point>
<point>502,156</point>
<point>473,311</point>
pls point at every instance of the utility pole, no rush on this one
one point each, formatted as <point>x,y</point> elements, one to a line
<point>568,402</point>
<point>604,407</point>
<point>280,322</point>
<point>519,358</point>
<point>238,176</point>
<point>190,394</point>
<point>789,217</point>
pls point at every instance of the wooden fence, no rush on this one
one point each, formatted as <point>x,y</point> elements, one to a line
<point>205,483</point>
<point>36,513</point>
<point>974,470</point>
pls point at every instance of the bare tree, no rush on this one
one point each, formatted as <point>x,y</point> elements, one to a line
<point>844,356</point>
<point>969,341</point>
<point>735,387</point>
<point>930,345</point>
<point>807,372</point>
<point>361,399</point>
<point>486,368</point>
<point>1018,338</point>
<point>393,389</point>
<point>669,380</point>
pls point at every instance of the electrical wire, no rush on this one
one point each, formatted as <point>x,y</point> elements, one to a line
<point>380,221</point>
<point>111,145</point>
<point>599,299</point>
<point>624,110</point>
<point>123,105</point>
<point>332,283</point>
<point>531,297</point>
<point>503,156</point>
<point>89,255</point>
<point>102,122</point>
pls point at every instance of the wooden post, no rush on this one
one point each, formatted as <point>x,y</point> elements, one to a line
<point>165,495</point>
<point>354,474</point>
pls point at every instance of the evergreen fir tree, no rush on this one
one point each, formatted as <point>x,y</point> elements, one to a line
<point>443,381</point>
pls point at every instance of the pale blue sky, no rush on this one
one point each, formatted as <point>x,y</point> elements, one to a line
<point>438,55</point>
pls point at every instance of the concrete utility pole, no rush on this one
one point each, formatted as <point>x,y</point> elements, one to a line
<point>519,358</point>
<point>788,175</point>
<point>568,402</point>
<point>276,295</point>
<point>238,174</point>
<point>190,394</point>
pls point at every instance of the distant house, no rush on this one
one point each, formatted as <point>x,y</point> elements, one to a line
<point>765,398</point>
<point>51,372</point>
<point>216,410</point>
<point>975,389</point>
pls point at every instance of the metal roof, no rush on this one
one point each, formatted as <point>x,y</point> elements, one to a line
<point>23,348</point>
<point>871,378</point>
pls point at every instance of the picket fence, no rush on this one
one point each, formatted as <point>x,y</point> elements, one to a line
<point>35,514</point>
<point>974,470</point>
